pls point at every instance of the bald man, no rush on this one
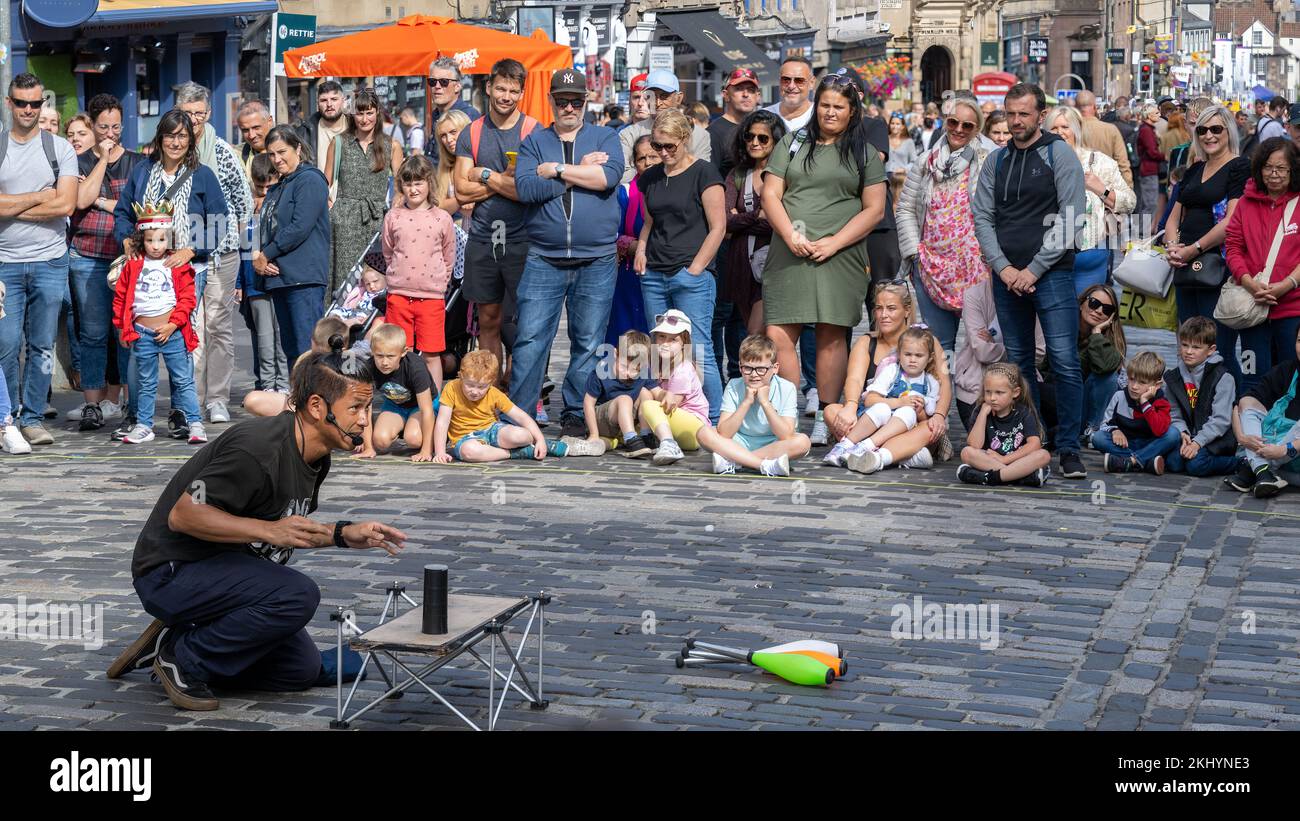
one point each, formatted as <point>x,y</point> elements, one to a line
<point>1101,136</point>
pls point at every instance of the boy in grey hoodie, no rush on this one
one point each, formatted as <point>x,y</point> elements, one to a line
<point>1201,393</point>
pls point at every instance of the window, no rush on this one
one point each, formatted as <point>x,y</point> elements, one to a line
<point>1257,38</point>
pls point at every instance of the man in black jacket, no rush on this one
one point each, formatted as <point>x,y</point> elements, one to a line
<point>329,121</point>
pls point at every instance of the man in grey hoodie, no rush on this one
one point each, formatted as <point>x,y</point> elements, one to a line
<point>1028,209</point>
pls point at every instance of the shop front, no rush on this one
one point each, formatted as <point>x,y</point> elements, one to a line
<point>138,51</point>
<point>706,48</point>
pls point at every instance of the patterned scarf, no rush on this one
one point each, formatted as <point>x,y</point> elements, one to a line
<point>944,164</point>
<point>153,191</point>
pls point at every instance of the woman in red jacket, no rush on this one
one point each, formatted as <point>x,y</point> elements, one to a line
<point>1149,159</point>
<point>1275,181</point>
<point>152,303</point>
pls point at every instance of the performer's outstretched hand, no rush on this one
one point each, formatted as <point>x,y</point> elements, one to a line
<point>363,535</point>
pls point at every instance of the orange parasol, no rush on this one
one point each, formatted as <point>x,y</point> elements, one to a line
<point>408,47</point>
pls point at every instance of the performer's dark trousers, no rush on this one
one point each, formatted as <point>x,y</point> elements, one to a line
<point>238,620</point>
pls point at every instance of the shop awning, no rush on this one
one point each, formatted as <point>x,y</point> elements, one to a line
<point>144,11</point>
<point>719,42</point>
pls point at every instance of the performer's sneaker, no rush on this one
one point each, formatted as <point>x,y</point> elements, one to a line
<point>142,651</point>
<point>185,692</point>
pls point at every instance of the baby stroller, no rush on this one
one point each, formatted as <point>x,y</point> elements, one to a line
<point>344,300</point>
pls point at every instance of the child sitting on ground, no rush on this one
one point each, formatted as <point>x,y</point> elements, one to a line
<point>1005,444</point>
<point>408,404</point>
<point>613,401</point>
<point>1201,392</point>
<point>903,394</point>
<point>677,409</point>
<point>467,418</point>
<point>366,299</point>
<point>152,304</point>
<point>1137,429</point>
<point>759,423</point>
<point>273,403</point>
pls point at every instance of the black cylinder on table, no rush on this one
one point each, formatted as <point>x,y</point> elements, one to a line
<point>435,599</point>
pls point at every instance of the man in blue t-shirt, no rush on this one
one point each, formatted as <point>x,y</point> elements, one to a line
<point>485,176</point>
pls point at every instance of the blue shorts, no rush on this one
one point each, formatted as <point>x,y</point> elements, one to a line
<point>753,443</point>
<point>488,436</point>
<point>389,406</point>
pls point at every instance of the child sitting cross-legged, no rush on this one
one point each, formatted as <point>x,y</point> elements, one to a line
<point>613,399</point>
<point>1201,391</point>
<point>758,426</point>
<point>1005,444</point>
<point>677,409</point>
<point>1137,430</point>
<point>467,418</point>
<point>408,407</point>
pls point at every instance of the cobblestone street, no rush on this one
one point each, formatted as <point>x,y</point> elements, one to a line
<point>1124,602</point>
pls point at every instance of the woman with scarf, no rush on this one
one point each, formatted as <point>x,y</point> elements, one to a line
<point>627,312</point>
<point>362,161</point>
<point>214,321</point>
<point>200,214</point>
<point>936,229</point>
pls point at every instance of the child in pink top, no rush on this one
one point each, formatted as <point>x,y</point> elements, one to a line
<point>420,250</point>
<point>677,409</point>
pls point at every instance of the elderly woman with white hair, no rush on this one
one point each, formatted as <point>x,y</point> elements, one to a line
<point>1149,160</point>
<point>214,359</point>
<point>1198,223</point>
<point>1106,193</point>
<point>936,227</point>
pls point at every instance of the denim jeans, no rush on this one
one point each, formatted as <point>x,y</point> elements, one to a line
<point>942,322</point>
<point>95,307</point>
<point>586,293</point>
<point>1097,392</point>
<point>808,361</point>
<point>33,294</point>
<point>1203,463</point>
<point>5,408</point>
<point>69,311</point>
<point>1200,302</point>
<point>694,296</point>
<point>297,310</point>
<point>180,370</point>
<point>1144,450</point>
<point>1054,304</point>
<point>239,620</point>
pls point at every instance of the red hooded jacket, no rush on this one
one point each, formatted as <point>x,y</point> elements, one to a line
<point>124,302</point>
<point>1250,235</point>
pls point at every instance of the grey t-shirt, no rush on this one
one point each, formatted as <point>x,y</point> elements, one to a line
<point>27,170</point>
<point>492,149</point>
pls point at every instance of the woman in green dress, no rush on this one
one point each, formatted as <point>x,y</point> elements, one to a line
<point>825,191</point>
<point>369,159</point>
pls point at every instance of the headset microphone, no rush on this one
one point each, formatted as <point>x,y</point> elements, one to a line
<point>357,439</point>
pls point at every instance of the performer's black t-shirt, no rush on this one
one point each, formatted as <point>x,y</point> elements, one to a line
<point>253,470</point>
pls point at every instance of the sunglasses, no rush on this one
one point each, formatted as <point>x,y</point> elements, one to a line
<point>1216,130</point>
<point>794,81</point>
<point>671,321</point>
<point>671,148</point>
<point>30,105</point>
<point>1097,305</point>
<point>839,79</point>
<point>954,124</point>
<point>442,82</point>
<point>568,102</point>
<point>754,370</point>
<point>763,139</point>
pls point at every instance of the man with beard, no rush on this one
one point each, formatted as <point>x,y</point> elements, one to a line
<point>328,122</point>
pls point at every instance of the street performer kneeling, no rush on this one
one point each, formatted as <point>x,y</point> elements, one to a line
<point>210,562</point>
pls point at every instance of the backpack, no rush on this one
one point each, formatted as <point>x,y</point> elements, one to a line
<point>476,133</point>
<point>47,143</point>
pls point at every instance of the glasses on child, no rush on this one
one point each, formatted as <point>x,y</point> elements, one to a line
<point>754,370</point>
<point>1097,305</point>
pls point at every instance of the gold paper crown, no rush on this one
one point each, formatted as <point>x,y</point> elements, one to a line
<point>152,214</point>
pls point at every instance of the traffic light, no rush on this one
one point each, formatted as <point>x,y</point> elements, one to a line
<point>1146,84</point>
<point>1218,74</point>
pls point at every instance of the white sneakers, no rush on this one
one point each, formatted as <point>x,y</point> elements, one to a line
<point>669,452</point>
<point>13,441</point>
<point>820,435</point>
<point>198,435</point>
<point>780,466</point>
<point>865,461</point>
<point>139,435</point>
<point>218,413</point>
<point>723,466</point>
<point>811,402</point>
<point>923,460</point>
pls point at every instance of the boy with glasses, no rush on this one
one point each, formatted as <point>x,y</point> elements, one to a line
<point>759,423</point>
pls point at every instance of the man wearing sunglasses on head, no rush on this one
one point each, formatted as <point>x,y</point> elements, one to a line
<point>38,192</point>
<point>444,90</point>
<point>667,93</point>
<point>567,177</point>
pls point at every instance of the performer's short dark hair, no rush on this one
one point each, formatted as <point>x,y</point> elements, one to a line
<point>328,375</point>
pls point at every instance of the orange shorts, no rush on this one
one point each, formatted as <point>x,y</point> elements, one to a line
<point>422,319</point>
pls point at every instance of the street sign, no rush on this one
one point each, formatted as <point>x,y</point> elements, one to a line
<point>1036,50</point>
<point>661,57</point>
<point>1067,95</point>
<point>291,31</point>
<point>989,53</point>
<point>1115,56</point>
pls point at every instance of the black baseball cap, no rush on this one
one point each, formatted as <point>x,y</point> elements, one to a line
<point>569,81</point>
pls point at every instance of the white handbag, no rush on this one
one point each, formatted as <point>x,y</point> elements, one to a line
<point>1145,269</point>
<point>1237,307</point>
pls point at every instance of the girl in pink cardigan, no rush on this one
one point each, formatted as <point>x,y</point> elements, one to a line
<point>420,250</point>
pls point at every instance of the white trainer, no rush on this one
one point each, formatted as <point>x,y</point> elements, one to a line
<point>780,466</point>
<point>139,435</point>
<point>197,434</point>
<point>110,409</point>
<point>13,441</point>
<point>218,413</point>
<point>722,465</point>
<point>811,402</point>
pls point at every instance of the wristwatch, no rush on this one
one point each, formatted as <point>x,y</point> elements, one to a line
<point>338,532</point>
<point>1104,195</point>
<point>559,171</point>
<point>1199,250</point>
<point>1290,450</point>
<point>486,175</point>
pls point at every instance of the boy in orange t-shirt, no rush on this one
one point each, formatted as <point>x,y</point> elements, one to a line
<point>467,418</point>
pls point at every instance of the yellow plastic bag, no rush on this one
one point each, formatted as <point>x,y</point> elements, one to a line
<point>1140,310</point>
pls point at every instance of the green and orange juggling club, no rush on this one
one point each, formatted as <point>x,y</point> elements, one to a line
<point>838,665</point>
<point>794,668</point>
<point>816,645</point>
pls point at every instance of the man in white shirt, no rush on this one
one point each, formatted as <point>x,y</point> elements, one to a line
<point>795,108</point>
<point>414,142</point>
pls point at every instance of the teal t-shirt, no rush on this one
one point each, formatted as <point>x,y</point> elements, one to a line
<point>782,394</point>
